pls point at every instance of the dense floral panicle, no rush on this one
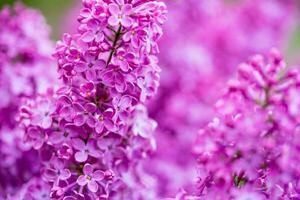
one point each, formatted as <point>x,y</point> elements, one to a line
<point>250,148</point>
<point>25,50</point>
<point>94,130</point>
<point>205,41</point>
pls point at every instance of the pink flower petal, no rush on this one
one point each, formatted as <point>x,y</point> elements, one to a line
<point>56,137</point>
<point>81,156</point>
<point>65,174</point>
<point>93,186</point>
<point>125,102</point>
<point>78,144</point>
<point>88,169</point>
<point>79,120</point>
<point>113,20</point>
<point>88,36</point>
<point>127,9</point>
<point>80,67</point>
<point>113,9</point>
<point>82,181</point>
<point>126,21</point>
<point>98,175</point>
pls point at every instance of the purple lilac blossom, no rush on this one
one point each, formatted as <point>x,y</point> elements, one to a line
<point>250,148</point>
<point>25,51</point>
<point>94,131</point>
<point>204,42</point>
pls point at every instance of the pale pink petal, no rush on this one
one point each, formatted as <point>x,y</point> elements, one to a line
<point>126,21</point>
<point>56,137</point>
<point>81,156</point>
<point>125,102</point>
<point>82,181</point>
<point>80,67</point>
<point>88,36</point>
<point>99,127</point>
<point>79,120</point>
<point>78,144</point>
<point>127,9</point>
<point>113,20</point>
<point>88,169</point>
<point>98,175</point>
<point>65,174</point>
<point>113,9</point>
<point>100,64</point>
<point>93,186</point>
<point>91,75</point>
<point>91,121</point>
<point>109,125</point>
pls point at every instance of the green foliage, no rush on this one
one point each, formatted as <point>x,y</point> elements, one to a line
<point>5,2</point>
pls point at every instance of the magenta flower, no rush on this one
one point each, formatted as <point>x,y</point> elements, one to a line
<point>136,37</point>
<point>115,78</point>
<point>83,114</point>
<point>97,101</point>
<point>63,136</point>
<point>124,60</point>
<point>122,105</point>
<point>65,152</point>
<point>36,137</point>
<point>94,31</point>
<point>120,14</point>
<point>90,178</point>
<point>84,150</point>
<point>249,149</point>
<point>41,115</point>
<point>105,121</point>
<point>88,89</point>
<point>56,172</point>
<point>90,65</point>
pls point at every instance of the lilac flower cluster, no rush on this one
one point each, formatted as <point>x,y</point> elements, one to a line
<point>25,50</point>
<point>250,149</point>
<point>196,64</point>
<point>93,131</point>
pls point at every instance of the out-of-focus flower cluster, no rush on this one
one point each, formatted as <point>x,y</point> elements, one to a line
<point>25,50</point>
<point>250,149</point>
<point>94,130</point>
<point>204,42</point>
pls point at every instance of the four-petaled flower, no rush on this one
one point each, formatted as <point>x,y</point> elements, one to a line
<point>85,150</point>
<point>57,171</point>
<point>90,178</point>
<point>124,60</point>
<point>120,15</point>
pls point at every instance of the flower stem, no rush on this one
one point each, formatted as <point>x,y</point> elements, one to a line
<point>117,37</point>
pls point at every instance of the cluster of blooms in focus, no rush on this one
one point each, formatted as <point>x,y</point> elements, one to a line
<point>25,53</point>
<point>250,150</point>
<point>94,130</point>
<point>204,41</point>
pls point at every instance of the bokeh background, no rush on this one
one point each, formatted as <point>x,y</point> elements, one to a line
<point>56,10</point>
<point>60,16</point>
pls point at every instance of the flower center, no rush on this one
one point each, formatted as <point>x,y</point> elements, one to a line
<point>120,16</point>
<point>88,178</point>
<point>121,58</point>
<point>66,134</point>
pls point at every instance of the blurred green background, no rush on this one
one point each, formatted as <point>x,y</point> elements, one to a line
<point>56,10</point>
